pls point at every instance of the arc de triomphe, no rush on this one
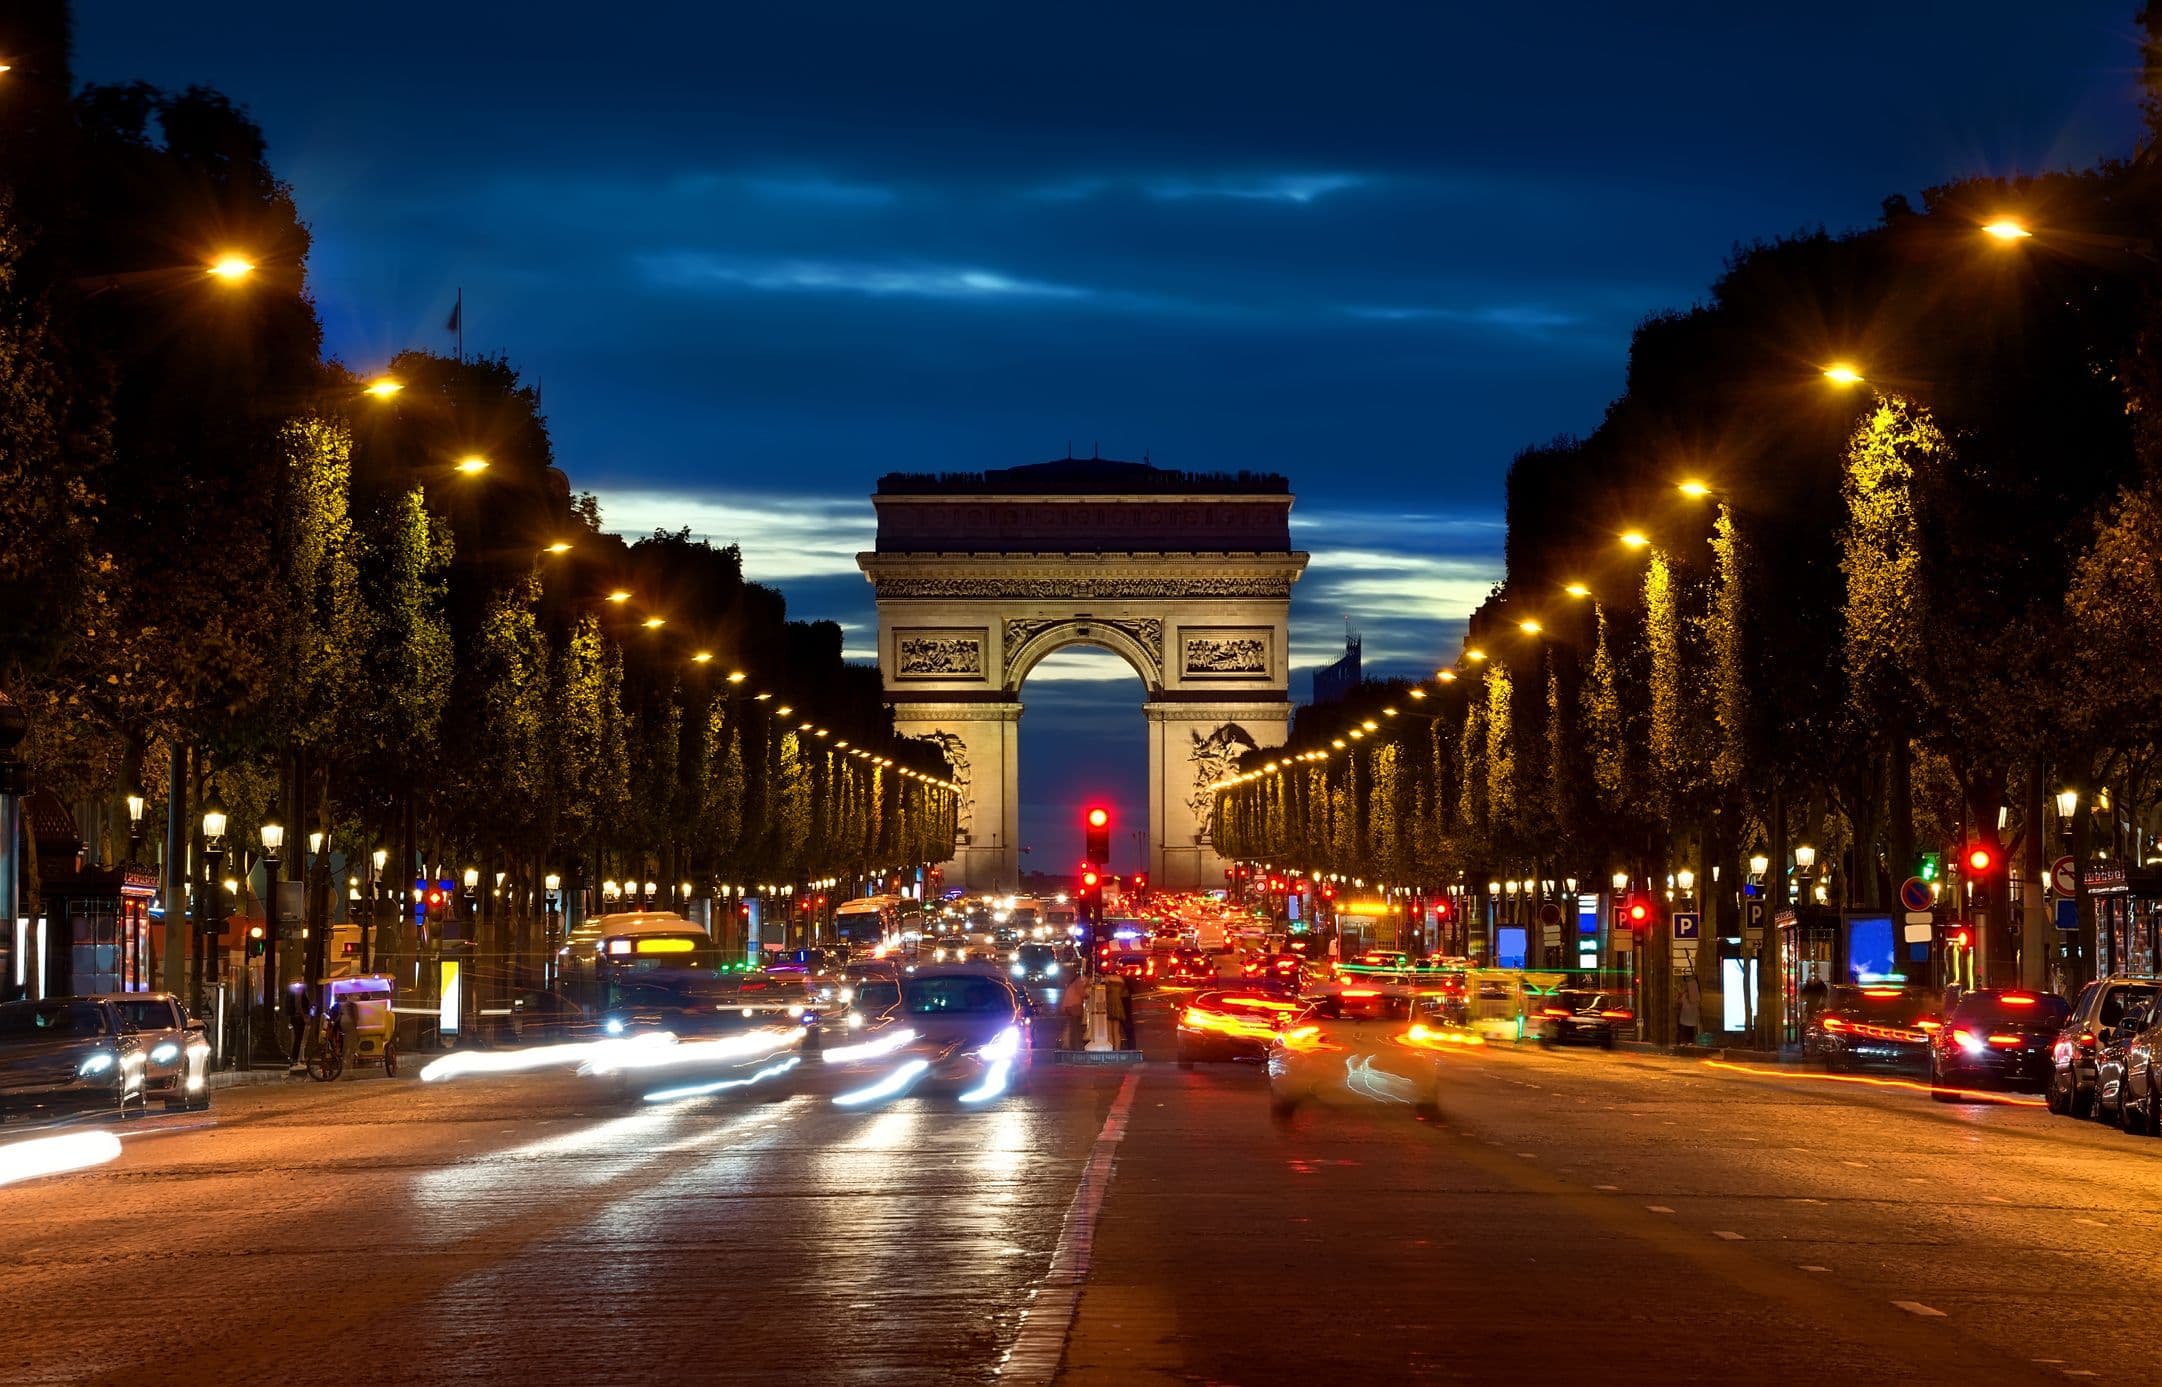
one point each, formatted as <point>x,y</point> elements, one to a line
<point>1186,576</point>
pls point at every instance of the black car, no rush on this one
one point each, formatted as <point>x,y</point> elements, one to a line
<point>1996,1038</point>
<point>1573,1017</point>
<point>1872,1028</point>
<point>68,1054</point>
<point>2100,1008</point>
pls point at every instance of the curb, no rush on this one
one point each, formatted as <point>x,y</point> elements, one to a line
<point>240,1078</point>
<point>1096,1057</point>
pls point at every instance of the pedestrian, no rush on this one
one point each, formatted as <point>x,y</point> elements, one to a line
<point>1072,999</point>
<point>1687,1010</point>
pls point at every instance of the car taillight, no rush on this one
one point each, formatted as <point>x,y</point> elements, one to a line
<point>1553,1011</point>
<point>2086,1040</point>
<point>1833,1023</point>
<point>2002,1039</point>
<point>1616,1015</point>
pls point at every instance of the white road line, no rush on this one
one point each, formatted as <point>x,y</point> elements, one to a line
<point>1916,1307</point>
<point>1040,1343</point>
<point>1996,1199</point>
<point>1659,1208</point>
<point>1811,1266</point>
<point>2091,1223</point>
<point>1858,1165</point>
<point>1610,1189</point>
<point>1730,1237</point>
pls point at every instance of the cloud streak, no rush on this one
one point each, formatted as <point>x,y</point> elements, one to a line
<point>686,269</point>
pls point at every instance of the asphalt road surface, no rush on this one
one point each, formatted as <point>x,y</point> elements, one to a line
<point>1602,1217</point>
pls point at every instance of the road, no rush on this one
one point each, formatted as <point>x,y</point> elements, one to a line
<point>1630,1217</point>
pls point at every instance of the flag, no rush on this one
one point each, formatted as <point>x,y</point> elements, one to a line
<point>457,310</point>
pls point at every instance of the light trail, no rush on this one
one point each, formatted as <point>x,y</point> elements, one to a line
<point>896,1082</point>
<point>671,1095</point>
<point>43,1156</point>
<point>1963,1095</point>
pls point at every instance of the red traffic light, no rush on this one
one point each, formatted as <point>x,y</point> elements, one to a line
<point>1981,858</point>
<point>1099,817</point>
<point>1089,879</point>
<point>1639,912</point>
<point>1443,908</point>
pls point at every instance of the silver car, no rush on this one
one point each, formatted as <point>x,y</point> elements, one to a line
<point>68,1054</point>
<point>176,1048</point>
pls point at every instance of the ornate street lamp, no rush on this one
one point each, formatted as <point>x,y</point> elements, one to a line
<point>135,827</point>
<point>210,911</point>
<point>554,884</point>
<point>472,903</point>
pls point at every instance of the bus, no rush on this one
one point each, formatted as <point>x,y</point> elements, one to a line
<point>868,923</point>
<point>645,969</point>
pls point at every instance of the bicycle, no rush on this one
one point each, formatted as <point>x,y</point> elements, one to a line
<point>326,1057</point>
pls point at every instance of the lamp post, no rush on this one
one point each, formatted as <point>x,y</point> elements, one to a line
<point>209,909</point>
<point>135,828</point>
<point>472,903</point>
<point>1805,867</point>
<point>377,861</point>
<point>554,884</point>
<point>272,834</point>
<point>652,895</point>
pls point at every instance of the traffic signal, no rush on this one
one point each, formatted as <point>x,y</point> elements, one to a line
<point>1444,908</point>
<point>1096,835</point>
<point>1638,913</point>
<point>1929,867</point>
<point>1980,859</point>
<point>255,941</point>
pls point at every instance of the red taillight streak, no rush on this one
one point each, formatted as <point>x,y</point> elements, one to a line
<point>1833,1023</point>
<point>1553,1011</point>
<point>1616,1015</point>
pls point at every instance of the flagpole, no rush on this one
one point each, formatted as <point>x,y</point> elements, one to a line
<point>461,326</point>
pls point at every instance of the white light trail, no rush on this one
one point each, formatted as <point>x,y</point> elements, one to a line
<point>896,1082</point>
<point>670,1095</point>
<point>42,1156</point>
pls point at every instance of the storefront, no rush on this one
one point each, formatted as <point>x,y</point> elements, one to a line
<point>2127,918</point>
<point>90,930</point>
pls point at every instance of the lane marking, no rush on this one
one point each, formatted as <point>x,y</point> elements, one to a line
<point>1659,1208</point>
<point>1039,1344</point>
<point>2091,1223</point>
<point>1811,1266</point>
<point>1858,1165</point>
<point>1730,1237</point>
<point>1916,1307</point>
<point>1610,1189</point>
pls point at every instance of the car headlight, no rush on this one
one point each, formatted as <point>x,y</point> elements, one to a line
<point>1004,1046</point>
<point>1050,970</point>
<point>848,994</point>
<point>166,1052</point>
<point>1018,971</point>
<point>613,1025</point>
<point>855,1021</point>
<point>96,1064</point>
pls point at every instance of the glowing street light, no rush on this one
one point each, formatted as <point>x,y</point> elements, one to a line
<point>1694,489</point>
<point>1842,373</point>
<point>232,268</point>
<point>737,676</point>
<point>1634,539</point>
<point>1577,590</point>
<point>1447,676</point>
<point>620,595</point>
<point>1529,627</point>
<point>655,623</point>
<point>473,464</point>
<point>703,657</point>
<point>1474,654</point>
<point>383,387</point>
<point>2006,229</point>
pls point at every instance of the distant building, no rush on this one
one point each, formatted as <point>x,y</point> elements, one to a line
<point>1332,683</point>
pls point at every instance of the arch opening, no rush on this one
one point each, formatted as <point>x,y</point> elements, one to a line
<point>1083,741</point>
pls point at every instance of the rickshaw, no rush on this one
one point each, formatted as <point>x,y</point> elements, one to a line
<point>353,1025</point>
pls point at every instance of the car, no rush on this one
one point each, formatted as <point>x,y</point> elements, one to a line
<point>1188,965</point>
<point>1357,1057</point>
<point>1575,1017</point>
<point>2140,1101</point>
<point>1286,967</point>
<point>1998,1037</point>
<point>2100,1007</point>
<point>969,1038</point>
<point>1235,1023</point>
<point>2112,1051</point>
<point>1139,967</point>
<point>1872,1028</point>
<point>176,1047</point>
<point>68,1054</point>
<point>1044,969</point>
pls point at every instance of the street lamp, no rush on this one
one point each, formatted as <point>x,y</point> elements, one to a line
<point>1805,857</point>
<point>383,387</point>
<point>554,884</point>
<point>1634,539</point>
<point>472,902</point>
<point>1759,864</point>
<point>652,894</point>
<point>472,464</point>
<point>1621,881</point>
<point>2067,806</point>
<point>210,910</point>
<point>1687,880</point>
<point>231,268</point>
<point>2006,230</point>
<point>381,859</point>
<point>1842,374</point>
<point>135,827</point>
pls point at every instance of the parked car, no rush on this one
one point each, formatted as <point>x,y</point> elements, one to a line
<point>2100,1007</point>
<point>2139,1104</point>
<point>1872,1028</point>
<point>1996,1037</point>
<point>68,1054</point>
<point>176,1047</point>
<point>2112,1049</point>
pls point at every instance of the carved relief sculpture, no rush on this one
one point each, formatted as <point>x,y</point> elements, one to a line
<point>1233,655</point>
<point>939,655</point>
<point>956,751</point>
<point>1213,757</point>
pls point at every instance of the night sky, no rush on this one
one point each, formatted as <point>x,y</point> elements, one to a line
<point>757,255</point>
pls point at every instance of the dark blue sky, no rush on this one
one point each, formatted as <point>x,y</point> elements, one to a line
<point>757,255</point>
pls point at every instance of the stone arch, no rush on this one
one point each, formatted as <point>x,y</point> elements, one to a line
<point>1041,636</point>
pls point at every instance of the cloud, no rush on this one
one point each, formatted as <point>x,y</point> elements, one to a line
<point>783,537</point>
<point>1299,188</point>
<point>1528,319</point>
<point>702,270</point>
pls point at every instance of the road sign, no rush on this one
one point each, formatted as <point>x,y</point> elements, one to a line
<point>2061,878</point>
<point>1919,917</point>
<point>1755,919</point>
<point>1914,894</point>
<point>1550,914</point>
<point>2067,914</point>
<point>1685,924</point>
